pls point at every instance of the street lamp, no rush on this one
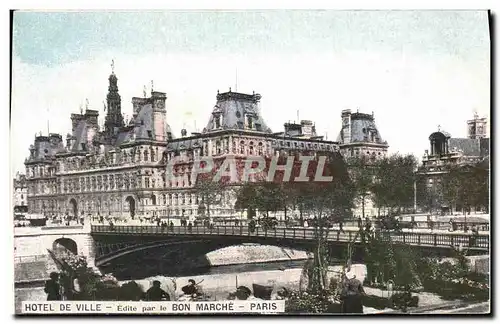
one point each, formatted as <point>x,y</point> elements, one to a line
<point>415,189</point>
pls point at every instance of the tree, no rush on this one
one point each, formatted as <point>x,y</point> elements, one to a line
<point>393,186</point>
<point>451,186</point>
<point>362,176</point>
<point>327,201</point>
<point>210,194</point>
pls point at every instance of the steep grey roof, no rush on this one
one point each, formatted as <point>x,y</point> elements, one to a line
<point>45,147</point>
<point>80,136</point>
<point>232,107</point>
<point>186,144</point>
<point>361,125</point>
<point>440,134</point>
<point>469,147</point>
<point>484,144</point>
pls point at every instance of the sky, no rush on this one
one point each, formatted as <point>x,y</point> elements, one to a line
<point>414,70</point>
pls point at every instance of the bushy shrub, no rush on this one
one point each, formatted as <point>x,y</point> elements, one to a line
<point>403,300</point>
<point>375,302</point>
<point>309,304</point>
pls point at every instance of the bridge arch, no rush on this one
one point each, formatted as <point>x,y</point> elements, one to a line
<point>65,244</point>
<point>73,205</point>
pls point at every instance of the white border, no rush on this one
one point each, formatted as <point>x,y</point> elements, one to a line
<point>6,180</point>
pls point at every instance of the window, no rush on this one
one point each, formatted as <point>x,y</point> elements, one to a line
<point>153,200</point>
<point>147,182</point>
<point>249,122</point>
<point>242,147</point>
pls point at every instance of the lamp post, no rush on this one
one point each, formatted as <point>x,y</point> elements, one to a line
<point>415,189</point>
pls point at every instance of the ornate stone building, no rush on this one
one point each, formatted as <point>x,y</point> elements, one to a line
<point>119,171</point>
<point>446,151</point>
<point>20,199</point>
<point>360,138</point>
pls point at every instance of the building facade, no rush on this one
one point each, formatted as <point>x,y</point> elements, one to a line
<point>359,138</point>
<point>20,199</point>
<point>447,151</point>
<point>120,171</point>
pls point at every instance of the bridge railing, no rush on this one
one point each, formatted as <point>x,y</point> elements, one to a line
<point>482,226</point>
<point>411,238</point>
<point>29,258</point>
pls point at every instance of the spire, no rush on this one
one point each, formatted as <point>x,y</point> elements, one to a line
<point>114,118</point>
<point>236,81</point>
<point>152,87</point>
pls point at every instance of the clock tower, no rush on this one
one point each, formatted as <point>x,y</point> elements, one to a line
<point>114,118</point>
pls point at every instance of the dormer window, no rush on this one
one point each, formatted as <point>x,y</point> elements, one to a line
<point>249,122</point>
<point>217,121</point>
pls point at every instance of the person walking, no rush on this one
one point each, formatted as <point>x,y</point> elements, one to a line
<point>52,287</point>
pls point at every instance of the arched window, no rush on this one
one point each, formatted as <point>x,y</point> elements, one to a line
<point>218,147</point>
<point>242,147</point>
<point>250,148</point>
<point>145,156</point>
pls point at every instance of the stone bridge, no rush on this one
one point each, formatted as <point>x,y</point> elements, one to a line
<point>33,242</point>
<point>118,240</point>
<point>103,243</point>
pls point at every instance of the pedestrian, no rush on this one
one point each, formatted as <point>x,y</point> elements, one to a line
<point>190,288</point>
<point>155,293</point>
<point>368,225</point>
<point>190,227</point>
<point>171,226</point>
<point>352,295</point>
<point>431,225</point>
<point>475,235</point>
<point>360,223</point>
<point>341,227</point>
<point>52,287</point>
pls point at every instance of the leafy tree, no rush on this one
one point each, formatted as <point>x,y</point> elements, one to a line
<point>452,185</point>
<point>327,201</point>
<point>361,171</point>
<point>394,182</point>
